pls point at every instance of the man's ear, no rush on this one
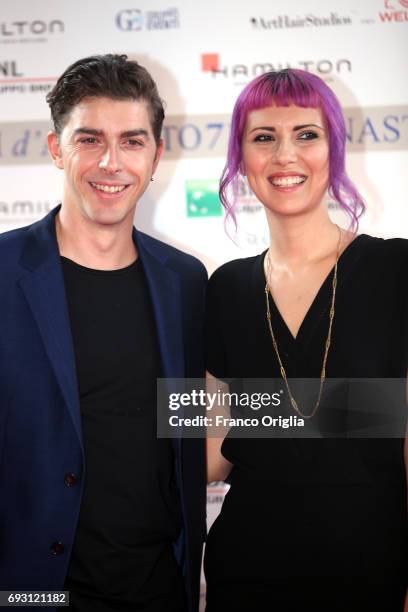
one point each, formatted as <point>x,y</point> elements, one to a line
<point>159,151</point>
<point>54,149</point>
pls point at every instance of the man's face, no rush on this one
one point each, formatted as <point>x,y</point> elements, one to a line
<point>108,153</point>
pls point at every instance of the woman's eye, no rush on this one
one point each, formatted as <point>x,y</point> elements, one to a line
<point>263,138</point>
<point>308,135</point>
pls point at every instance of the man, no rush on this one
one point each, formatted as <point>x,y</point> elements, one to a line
<point>92,313</point>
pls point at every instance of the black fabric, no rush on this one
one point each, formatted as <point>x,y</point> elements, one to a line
<point>312,524</point>
<point>122,558</point>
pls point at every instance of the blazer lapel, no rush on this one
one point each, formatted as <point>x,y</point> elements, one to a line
<point>44,290</point>
<point>165,292</point>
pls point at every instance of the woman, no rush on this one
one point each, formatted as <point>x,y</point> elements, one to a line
<point>307,524</point>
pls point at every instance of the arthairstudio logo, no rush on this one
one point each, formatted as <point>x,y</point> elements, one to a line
<point>202,198</point>
<point>280,22</point>
<point>243,72</point>
<point>36,30</point>
<point>135,20</point>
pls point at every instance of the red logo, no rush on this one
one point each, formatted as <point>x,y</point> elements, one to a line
<point>210,62</point>
<point>393,12</point>
<point>391,4</point>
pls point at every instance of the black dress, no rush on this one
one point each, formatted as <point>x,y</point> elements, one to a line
<point>312,524</point>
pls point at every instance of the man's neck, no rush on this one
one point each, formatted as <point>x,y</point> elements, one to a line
<point>97,247</point>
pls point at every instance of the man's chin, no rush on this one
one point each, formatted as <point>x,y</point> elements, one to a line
<point>109,219</point>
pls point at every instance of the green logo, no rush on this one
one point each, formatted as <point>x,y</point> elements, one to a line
<point>202,199</point>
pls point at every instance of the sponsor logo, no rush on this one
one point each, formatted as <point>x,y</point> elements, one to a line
<point>202,198</point>
<point>333,205</point>
<point>252,231</point>
<point>135,20</point>
<point>129,20</point>
<point>24,211</point>
<point>14,80</point>
<point>203,201</point>
<point>246,202</point>
<point>24,143</point>
<point>202,136</point>
<point>242,73</point>
<point>216,492</point>
<point>279,22</point>
<point>215,499</point>
<point>394,11</point>
<point>206,136</point>
<point>23,86</point>
<point>29,31</point>
<point>377,130</point>
<point>10,69</point>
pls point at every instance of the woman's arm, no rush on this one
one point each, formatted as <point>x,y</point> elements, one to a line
<point>406,458</point>
<point>406,471</point>
<point>406,476</point>
<point>406,445</point>
<point>218,467</point>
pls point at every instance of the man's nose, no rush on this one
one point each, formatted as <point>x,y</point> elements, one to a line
<point>111,160</point>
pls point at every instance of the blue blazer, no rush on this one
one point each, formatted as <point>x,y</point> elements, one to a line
<point>40,420</point>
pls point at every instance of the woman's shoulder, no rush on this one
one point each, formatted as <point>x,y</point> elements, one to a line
<point>400,244</point>
<point>388,250</point>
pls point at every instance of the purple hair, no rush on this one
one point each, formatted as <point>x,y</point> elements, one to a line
<point>283,88</point>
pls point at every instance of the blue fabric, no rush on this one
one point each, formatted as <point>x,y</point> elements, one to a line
<point>40,423</point>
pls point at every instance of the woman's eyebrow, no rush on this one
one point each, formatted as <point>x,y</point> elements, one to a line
<point>270,128</point>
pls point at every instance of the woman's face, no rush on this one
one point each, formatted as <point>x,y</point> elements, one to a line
<point>285,156</point>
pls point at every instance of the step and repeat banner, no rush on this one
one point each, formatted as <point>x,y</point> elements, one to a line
<point>202,55</point>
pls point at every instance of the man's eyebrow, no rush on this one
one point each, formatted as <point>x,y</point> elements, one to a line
<point>127,134</point>
<point>270,128</point>
<point>86,130</point>
<point>132,133</point>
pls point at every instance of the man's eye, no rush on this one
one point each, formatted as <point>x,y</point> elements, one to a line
<point>88,140</point>
<point>131,142</point>
<point>308,135</point>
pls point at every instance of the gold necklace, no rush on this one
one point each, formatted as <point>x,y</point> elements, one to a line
<point>328,339</point>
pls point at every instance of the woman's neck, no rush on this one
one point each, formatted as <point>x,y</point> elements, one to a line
<point>303,240</point>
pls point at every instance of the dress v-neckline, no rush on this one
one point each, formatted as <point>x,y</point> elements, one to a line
<point>320,303</point>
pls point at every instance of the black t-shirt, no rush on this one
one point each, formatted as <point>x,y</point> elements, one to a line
<point>307,519</point>
<point>130,514</point>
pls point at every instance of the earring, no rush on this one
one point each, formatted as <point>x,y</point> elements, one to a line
<point>152,179</point>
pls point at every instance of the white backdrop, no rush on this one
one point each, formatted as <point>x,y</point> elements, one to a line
<point>359,47</point>
<point>201,55</point>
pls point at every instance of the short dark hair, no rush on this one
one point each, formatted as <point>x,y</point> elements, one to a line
<point>112,76</point>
